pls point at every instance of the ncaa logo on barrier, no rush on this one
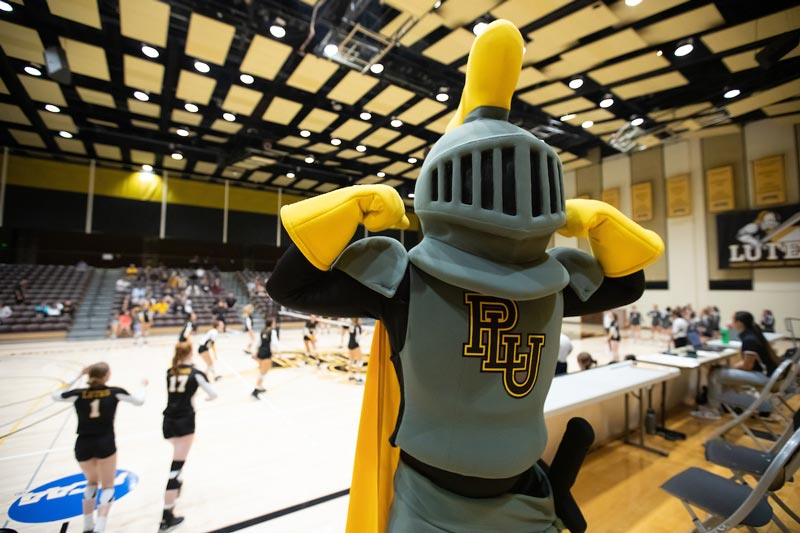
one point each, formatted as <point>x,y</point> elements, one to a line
<point>62,499</point>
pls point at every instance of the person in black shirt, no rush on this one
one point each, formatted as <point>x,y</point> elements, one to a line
<point>356,364</point>
<point>758,363</point>
<point>188,328</point>
<point>635,318</point>
<point>95,447</point>
<point>767,321</point>
<point>183,379</point>
<point>269,346</point>
<point>219,311</point>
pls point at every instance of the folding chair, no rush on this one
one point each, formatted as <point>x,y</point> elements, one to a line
<point>747,461</point>
<point>761,404</point>
<point>731,504</point>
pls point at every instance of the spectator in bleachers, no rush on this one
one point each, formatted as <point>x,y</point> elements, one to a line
<point>131,272</point>
<point>230,301</point>
<point>81,266</point>
<point>21,291</point>
<point>251,287</point>
<point>138,293</point>
<point>42,309</point>
<point>219,311</point>
<point>216,286</point>
<point>188,308</point>
<point>68,309</point>
<point>122,285</point>
<point>161,307</point>
<point>5,313</point>
<point>125,323</point>
<point>586,361</point>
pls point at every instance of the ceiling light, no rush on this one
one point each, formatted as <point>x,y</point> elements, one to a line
<point>65,134</point>
<point>361,148</point>
<point>190,107</point>
<point>638,121</point>
<point>587,124</point>
<point>365,115</point>
<point>438,4</point>
<point>182,132</point>
<point>147,168</point>
<point>330,50</point>
<point>733,93</point>
<point>442,95</point>
<point>309,159</point>
<point>201,67</point>
<point>479,28</point>
<point>412,160</point>
<point>230,117</point>
<point>177,156</point>
<point>377,68</point>
<point>247,79</point>
<point>290,175</point>
<point>278,30</point>
<point>411,195</point>
<point>607,101</point>
<point>149,51</point>
<point>660,53</point>
<point>5,6</point>
<point>632,3</point>
<point>139,95</point>
<point>336,142</point>
<point>381,174</point>
<point>305,133</point>
<point>33,71</point>
<point>568,116</point>
<point>684,48</point>
<point>396,123</point>
<point>53,108</point>
<point>575,83</point>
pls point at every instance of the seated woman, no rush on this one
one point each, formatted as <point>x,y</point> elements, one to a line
<point>758,362</point>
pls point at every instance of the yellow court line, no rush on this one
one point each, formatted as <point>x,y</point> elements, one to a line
<point>31,410</point>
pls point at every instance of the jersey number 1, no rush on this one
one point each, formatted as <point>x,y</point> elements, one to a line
<point>180,381</point>
<point>94,409</point>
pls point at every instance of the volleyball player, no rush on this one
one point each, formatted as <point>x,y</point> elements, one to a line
<point>95,447</point>
<point>344,329</point>
<point>247,315</point>
<point>309,339</point>
<point>269,346</point>
<point>613,338</point>
<point>188,328</point>
<point>208,349</point>
<point>356,364</point>
<point>636,322</point>
<point>183,379</point>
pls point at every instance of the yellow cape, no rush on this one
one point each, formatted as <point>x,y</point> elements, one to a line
<point>371,490</point>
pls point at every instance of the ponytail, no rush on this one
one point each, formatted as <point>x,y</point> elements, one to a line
<point>750,325</point>
<point>97,372</point>
<point>182,351</point>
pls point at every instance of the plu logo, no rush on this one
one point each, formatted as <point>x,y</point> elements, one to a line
<point>62,498</point>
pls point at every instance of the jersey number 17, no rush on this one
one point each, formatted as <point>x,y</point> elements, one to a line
<point>178,383</point>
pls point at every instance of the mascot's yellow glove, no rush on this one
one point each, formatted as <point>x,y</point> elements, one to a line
<point>620,245</point>
<point>493,68</point>
<point>322,226</point>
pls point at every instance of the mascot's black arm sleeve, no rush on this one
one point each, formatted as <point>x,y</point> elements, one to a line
<point>612,293</point>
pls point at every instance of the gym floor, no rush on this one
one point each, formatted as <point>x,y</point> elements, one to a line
<point>259,461</point>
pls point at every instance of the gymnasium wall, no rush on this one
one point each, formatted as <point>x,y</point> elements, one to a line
<point>47,195</point>
<point>690,272</point>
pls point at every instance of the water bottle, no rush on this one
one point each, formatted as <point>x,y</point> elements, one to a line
<point>724,334</point>
<point>650,422</point>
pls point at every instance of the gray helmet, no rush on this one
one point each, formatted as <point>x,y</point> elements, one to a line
<point>492,189</point>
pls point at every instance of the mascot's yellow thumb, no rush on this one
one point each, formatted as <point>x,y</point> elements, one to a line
<point>493,68</point>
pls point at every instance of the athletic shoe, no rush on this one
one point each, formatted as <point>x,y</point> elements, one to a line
<point>255,394</point>
<point>248,352</point>
<point>261,390</point>
<point>706,414</point>
<point>170,522</point>
<point>217,378</point>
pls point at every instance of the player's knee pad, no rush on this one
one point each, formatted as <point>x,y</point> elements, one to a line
<point>175,481</point>
<point>106,495</point>
<point>90,492</point>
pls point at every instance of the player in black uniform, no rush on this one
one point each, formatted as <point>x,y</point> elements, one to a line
<point>310,340</point>
<point>95,447</point>
<point>636,322</point>
<point>356,364</point>
<point>183,379</point>
<point>188,328</point>
<point>208,348</point>
<point>269,346</point>
<point>247,316</point>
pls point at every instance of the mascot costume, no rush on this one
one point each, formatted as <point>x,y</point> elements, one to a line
<point>452,424</point>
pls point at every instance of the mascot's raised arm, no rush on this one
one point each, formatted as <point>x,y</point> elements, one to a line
<point>452,430</point>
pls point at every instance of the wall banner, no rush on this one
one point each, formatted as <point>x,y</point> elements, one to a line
<point>719,189</point>
<point>759,238</point>
<point>679,196</point>
<point>769,181</point>
<point>642,201</point>
<point>611,196</point>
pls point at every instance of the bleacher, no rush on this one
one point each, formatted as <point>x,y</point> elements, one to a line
<point>155,289</point>
<point>48,284</point>
<point>264,305</point>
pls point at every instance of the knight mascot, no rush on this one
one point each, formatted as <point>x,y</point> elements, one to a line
<point>452,425</point>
